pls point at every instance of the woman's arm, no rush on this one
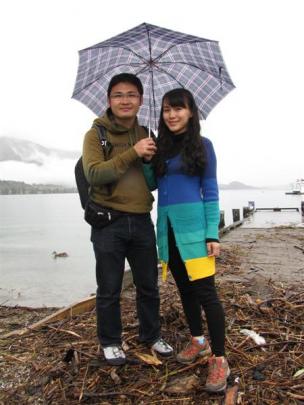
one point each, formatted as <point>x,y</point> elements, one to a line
<point>149,175</point>
<point>210,193</point>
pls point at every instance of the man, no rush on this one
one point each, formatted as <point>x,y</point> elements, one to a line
<point>118,183</point>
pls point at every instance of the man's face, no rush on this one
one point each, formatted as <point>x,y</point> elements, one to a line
<point>124,101</point>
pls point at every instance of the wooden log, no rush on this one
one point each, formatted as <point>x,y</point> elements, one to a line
<point>85,305</point>
<point>231,395</point>
<point>229,228</point>
<point>77,308</point>
<point>278,209</point>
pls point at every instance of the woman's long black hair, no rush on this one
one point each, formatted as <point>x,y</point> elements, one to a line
<point>193,153</point>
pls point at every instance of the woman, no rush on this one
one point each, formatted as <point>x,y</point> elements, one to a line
<point>187,227</point>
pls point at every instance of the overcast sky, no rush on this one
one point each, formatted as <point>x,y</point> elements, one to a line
<point>257,130</point>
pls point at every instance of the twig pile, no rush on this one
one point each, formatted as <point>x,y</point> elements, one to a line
<point>61,363</point>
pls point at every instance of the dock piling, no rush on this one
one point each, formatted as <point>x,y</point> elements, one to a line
<point>251,205</point>
<point>246,212</point>
<point>222,220</point>
<point>236,216</point>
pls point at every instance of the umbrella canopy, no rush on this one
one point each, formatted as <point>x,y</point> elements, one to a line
<point>163,60</point>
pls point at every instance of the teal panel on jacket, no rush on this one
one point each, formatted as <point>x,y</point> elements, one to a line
<point>190,229</point>
<point>191,245</point>
<point>212,213</point>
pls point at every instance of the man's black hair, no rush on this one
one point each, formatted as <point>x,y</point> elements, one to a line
<point>126,78</point>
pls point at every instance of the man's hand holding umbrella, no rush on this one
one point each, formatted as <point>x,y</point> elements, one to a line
<point>145,148</point>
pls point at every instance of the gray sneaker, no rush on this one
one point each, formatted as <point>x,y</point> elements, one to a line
<point>114,355</point>
<point>162,347</point>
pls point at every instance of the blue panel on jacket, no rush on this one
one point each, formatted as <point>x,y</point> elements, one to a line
<point>178,189</point>
<point>209,189</point>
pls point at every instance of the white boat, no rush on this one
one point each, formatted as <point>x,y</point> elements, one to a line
<point>297,188</point>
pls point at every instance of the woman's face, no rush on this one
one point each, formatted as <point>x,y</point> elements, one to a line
<point>176,118</point>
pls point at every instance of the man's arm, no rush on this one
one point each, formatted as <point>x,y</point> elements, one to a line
<point>99,171</point>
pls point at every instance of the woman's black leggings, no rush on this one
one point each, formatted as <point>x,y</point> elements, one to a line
<point>196,295</point>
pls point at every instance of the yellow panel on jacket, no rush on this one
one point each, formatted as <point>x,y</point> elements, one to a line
<point>196,268</point>
<point>200,268</point>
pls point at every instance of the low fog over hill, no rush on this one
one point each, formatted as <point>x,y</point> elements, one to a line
<point>22,160</point>
<point>29,162</point>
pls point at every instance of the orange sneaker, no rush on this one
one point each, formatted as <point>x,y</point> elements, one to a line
<point>193,350</point>
<point>218,372</point>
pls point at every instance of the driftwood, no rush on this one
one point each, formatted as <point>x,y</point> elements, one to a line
<point>77,308</point>
<point>85,305</point>
<point>231,395</point>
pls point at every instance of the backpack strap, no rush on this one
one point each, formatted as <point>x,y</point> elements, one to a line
<point>82,183</point>
<point>105,145</point>
<point>102,136</point>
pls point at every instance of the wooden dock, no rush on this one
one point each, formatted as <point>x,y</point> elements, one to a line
<point>278,209</point>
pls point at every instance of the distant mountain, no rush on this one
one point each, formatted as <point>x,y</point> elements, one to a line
<point>20,150</point>
<point>28,162</point>
<point>235,185</point>
<point>25,161</point>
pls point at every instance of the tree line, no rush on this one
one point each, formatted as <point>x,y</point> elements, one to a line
<point>19,187</point>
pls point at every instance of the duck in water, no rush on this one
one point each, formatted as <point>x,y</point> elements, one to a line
<point>62,254</point>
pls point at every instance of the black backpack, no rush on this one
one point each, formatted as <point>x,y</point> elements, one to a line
<point>81,181</point>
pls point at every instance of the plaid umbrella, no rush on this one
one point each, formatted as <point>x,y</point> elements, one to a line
<point>163,60</point>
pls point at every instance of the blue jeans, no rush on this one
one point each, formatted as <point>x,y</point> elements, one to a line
<point>130,237</point>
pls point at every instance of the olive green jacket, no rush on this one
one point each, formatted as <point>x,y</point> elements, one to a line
<point>117,182</point>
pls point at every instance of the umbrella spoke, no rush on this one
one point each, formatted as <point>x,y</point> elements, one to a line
<point>143,70</point>
<point>194,66</point>
<point>113,46</point>
<point>149,42</point>
<point>195,41</point>
<point>153,98</point>
<point>171,76</point>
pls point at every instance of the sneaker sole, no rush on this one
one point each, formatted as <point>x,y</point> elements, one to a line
<point>116,362</point>
<point>202,356</point>
<point>163,354</point>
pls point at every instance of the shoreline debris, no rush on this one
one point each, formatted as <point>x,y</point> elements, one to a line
<point>60,362</point>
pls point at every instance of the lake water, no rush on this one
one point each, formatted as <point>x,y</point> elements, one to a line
<point>33,226</point>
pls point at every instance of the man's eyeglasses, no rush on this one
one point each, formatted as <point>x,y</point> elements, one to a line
<point>127,96</point>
